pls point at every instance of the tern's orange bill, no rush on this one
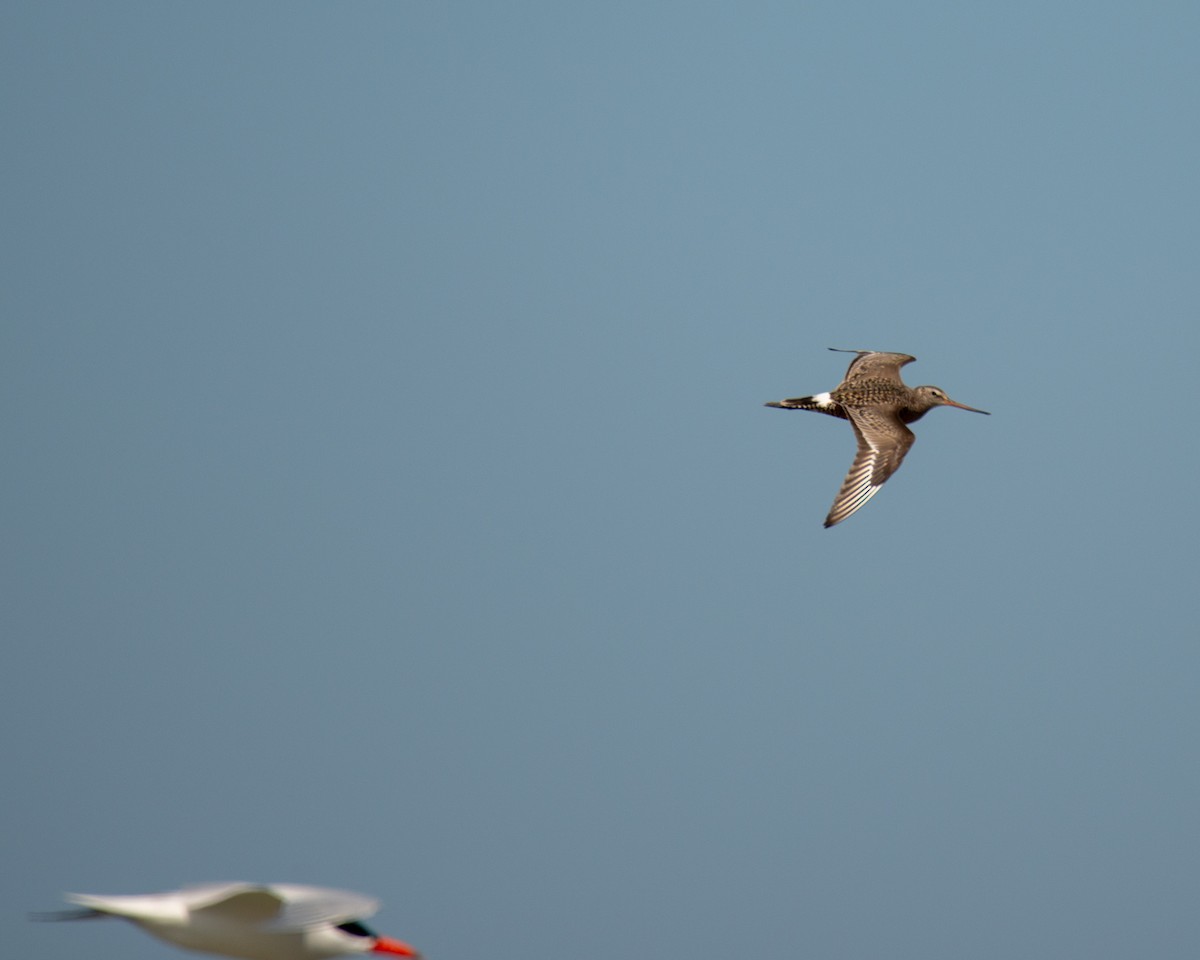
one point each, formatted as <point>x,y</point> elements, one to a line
<point>396,948</point>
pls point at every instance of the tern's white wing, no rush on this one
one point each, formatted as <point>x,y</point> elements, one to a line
<point>200,895</point>
<point>282,906</point>
<point>307,906</point>
<point>142,906</point>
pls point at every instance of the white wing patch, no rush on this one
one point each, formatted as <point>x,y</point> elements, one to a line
<point>857,488</point>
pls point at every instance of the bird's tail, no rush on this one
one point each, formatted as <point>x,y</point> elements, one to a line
<point>821,402</point>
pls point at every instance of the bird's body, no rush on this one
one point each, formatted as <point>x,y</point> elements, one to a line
<point>878,405</point>
<point>249,921</point>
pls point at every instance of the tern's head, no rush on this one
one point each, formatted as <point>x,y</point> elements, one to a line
<point>354,937</point>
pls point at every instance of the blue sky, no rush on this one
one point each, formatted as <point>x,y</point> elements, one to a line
<point>390,503</point>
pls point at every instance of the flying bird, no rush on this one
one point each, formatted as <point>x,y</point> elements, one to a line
<point>278,921</point>
<point>878,405</point>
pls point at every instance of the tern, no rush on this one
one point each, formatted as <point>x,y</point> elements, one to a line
<point>278,921</point>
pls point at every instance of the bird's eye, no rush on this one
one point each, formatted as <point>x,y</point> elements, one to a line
<point>355,929</point>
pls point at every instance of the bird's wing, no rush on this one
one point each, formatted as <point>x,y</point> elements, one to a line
<point>281,906</point>
<point>879,366</point>
<point>138,906</point>
<point>882,443</point>
<point>243,903</point>
<point>310,906</point>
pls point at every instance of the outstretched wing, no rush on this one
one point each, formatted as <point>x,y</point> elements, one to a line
<point>281,906</point>
<point>883,442</point>
<point>878,366</point>
<point>309,906</point>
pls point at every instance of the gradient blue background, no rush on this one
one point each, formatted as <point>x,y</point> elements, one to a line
<point>389,503</point>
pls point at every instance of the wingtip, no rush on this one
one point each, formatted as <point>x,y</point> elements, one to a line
<point>53,916</point>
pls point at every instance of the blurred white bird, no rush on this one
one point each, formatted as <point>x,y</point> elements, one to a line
<point>278,921</point>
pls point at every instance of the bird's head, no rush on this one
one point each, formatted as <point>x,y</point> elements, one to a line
<point>364,940</point>
<point>936,397</point>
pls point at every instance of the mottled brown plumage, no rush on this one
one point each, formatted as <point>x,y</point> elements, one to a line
<point>878,404</point>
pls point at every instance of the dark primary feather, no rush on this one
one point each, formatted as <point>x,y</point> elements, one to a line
<point>84,913</point>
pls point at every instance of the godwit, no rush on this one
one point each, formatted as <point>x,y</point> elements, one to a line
<point>878,405</point>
